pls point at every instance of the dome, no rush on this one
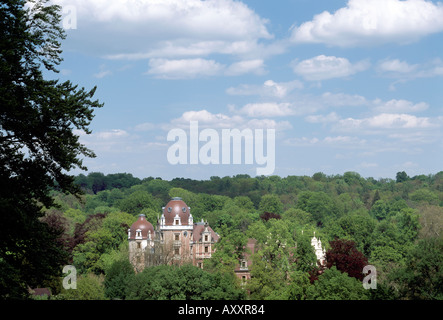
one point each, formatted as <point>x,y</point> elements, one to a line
<point>176,207</point>
<point>142,225</point>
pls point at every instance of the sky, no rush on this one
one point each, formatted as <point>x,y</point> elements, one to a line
<point>345,85</point>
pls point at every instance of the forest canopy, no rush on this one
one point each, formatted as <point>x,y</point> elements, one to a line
<point>393,224</point>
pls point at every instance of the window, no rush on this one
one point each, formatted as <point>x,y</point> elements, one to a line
<point>206,249</point>
<point>206,237</point>
<point>243,264</point>
<point>177,222</point>
<point>177,251</point>
<point>139,245</point>
<point>177,236</point>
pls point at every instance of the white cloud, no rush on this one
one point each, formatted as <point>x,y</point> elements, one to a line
<point>141,29</point>
<point>342,99</point>
<point>385,121</point>
<point>396,66</point>
<point>399,106</point>
<point>193,68</point>
<point>266,109</point>
<point>269,88</point>
<point>205,119</point>
<point>183,68</point>
<point>327,67</point>
<point>111,134</point>
<point>331,117</point>
<point>208,119</point>
<point>102,73</point>
<point>335,141</point>
<point>404,71</point>
<point>371,22</point>
<point>248,66</point>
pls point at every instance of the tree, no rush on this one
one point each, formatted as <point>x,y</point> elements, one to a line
<point>344,255</point>
<point>422,277</point>
<point>424,196</point>
<point>180,283</point>
<point>298,288</point>
<point>353,227</point>
<point>117,278</point>
<point>266,216</point>
<point>89,287</point>
<point>319,204</point>
<point>336,285</point>
<point>270,203</point>
<point>106,235</point>
<point>401,177</point>
<point>431,220</point>
<point>38,144</point>
<point>137,201</point>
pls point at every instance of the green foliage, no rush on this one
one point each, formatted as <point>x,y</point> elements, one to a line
<point>38,145</point>
<point>270,203</point>
<point>319,204</point>
<point>424,195</point>
<point>137,201</point>
<point>182,283</point>
<point>379,216</point>
<point>353,227</point>
<point>299,286</point>
<point>117,278</point>
<point>89,287</point>
<point>422,276</point>
<point>108,235</point>
<point>335,285</point>
<point>304,255</point>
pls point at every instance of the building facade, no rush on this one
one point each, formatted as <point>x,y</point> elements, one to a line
<point>177,239</point>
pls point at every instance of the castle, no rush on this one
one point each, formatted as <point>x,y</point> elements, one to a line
<point>177,239</point>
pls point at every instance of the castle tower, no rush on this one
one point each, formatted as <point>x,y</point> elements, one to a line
<point>176,226</point>
<point>320,252</point>
<point>141,237</point>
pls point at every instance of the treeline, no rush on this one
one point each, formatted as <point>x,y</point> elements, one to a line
<point>394,225</point>
<point>254,187</point>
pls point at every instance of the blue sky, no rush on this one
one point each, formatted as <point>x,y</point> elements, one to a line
<point>347,85</point>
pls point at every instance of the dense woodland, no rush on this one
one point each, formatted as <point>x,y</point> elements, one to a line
<point>394,225</point>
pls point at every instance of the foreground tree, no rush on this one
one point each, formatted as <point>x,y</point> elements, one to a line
<point>186,282</point>
<point>38,144</point>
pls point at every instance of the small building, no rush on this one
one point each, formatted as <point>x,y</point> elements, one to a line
<point>243,268</point>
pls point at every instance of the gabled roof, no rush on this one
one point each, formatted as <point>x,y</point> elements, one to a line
<point>199,228</point>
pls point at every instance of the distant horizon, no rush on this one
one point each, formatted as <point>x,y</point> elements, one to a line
<point>252,176</point>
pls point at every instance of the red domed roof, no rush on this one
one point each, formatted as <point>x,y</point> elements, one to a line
<point>143,225</point>
<point>176,207</point>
